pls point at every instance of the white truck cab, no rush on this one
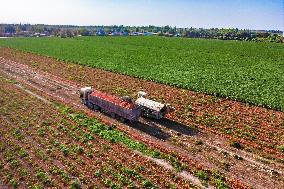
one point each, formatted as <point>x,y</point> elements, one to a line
<point>84,94</point>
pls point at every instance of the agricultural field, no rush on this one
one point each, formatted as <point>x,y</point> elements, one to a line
<point>246,71</point>
<point>206,142</point>
<point>45,144</point>
<point>50,145</point>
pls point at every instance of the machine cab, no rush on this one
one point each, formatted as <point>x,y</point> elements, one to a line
<point>150,108</point>
<point>84,94</point>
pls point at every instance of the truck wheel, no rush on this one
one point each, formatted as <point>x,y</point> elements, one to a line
<point>83,101</point>
<point>90,105</point>
<point>96,107</point>
<point>122,119</point>
<point>113,115</point>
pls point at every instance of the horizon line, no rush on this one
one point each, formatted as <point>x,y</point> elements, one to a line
<point>142,26</point>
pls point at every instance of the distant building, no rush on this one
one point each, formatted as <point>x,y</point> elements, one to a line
<point>178,35</point>
<point>43,34</point>
<point>7,34</point>
<point>118,33</point>
<point>148,33</point>
<point>137,33</point>
<point>125,33</point>
<point>24,34</point>
<point>101,32</point>
<point>134,33</point>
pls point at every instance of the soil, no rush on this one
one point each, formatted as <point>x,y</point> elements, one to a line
<point>198,129</point>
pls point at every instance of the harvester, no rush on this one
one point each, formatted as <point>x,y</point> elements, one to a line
<point>124,108</point>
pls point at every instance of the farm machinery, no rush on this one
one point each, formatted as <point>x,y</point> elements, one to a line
<point>124,108</point>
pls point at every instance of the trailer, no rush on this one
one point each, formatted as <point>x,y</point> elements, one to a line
<point>120,108</point>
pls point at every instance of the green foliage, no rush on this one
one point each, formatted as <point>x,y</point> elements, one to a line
<point>14,163</point>
<point>23,153</point>
<point>12,81</point>
<point>18,134</point>
<point>109,133</point>
<point>75,185</point>
<point>64,150</point>
<point>23,172</point>
<point>246,71</point>
<point>219,180</point>
<point>98,173</point>
<point>121,91</point>
<point>116,136</point>
<point>1,165</point>
<point>79,150</point>
<point>202,175</point>
<point>14,183</point>
<point>112,134</point>
<point>36,187</point>
<point>280,148</point>
<point>41,132</point>
<point>2,146</point>
<point>43,178</point>
<point>199,142</point>
<point>156,154</point>
<point>9,156</point>
<point>147,184</point>
<point>236,145</point>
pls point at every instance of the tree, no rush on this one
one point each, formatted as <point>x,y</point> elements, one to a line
<point>18,29</point>
<point>69,33</point>
<point>279,39</point>
<point>2,29</point>
<point>84,32</point>
<point>37,28</point>
<point>10,29</point>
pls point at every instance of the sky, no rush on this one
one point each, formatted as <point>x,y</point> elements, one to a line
<point>244,14</point>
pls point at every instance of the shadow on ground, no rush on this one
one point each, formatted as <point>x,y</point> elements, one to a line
<point>150,129</point>
<point>178,127</point>
<point>155,128</point>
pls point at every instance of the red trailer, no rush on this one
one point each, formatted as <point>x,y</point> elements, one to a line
<point>115,106</point>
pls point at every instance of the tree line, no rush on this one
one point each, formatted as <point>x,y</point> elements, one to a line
<point>168,31</point>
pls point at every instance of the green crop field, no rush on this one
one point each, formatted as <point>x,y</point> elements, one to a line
<point>246,71</point>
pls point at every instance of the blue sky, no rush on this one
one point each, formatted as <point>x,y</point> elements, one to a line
<point>248,14</point>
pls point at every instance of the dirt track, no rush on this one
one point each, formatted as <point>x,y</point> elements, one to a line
<point>213,152</point>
